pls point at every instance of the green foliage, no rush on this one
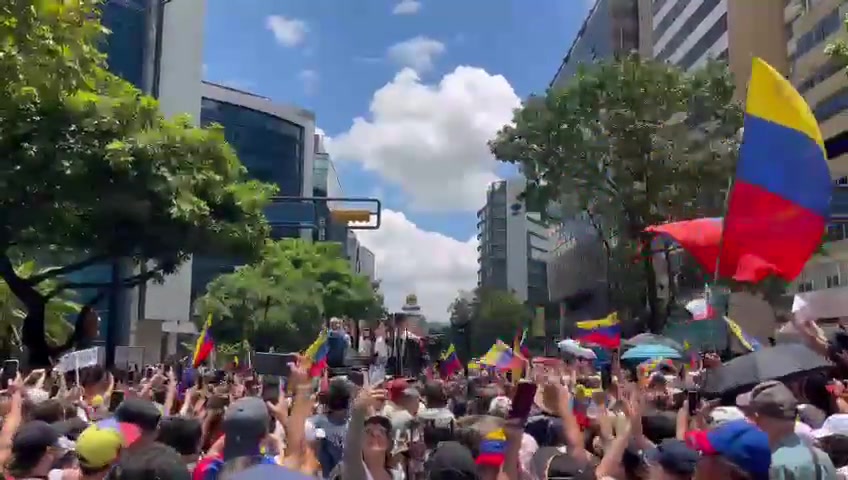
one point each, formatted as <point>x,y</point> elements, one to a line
<point>628,143</point>
<point>59,310</point>
<point>838,49</point>
<point>487,315</point>
<point>282,299</point>
<point>92,171</point>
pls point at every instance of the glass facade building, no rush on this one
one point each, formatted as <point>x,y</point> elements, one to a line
<point>126,49</point>
<point>273,149</point>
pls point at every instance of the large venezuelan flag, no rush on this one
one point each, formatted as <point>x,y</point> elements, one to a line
<point>780,201</point>
<point>605,332</point>
<point>501,357</point>
<point>317,354</point>
<point>204,345</point>
<point>449,362</point>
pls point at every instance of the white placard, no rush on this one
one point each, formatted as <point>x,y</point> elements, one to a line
<point>79,359</point>
<point>826,303</point>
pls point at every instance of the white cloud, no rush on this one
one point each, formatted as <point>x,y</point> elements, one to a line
<point>428,264</point>
<point>289,32</point>
<point>407,7</point>
<point>431,140</point>
<point>418,53</point>
<point>309,78</point>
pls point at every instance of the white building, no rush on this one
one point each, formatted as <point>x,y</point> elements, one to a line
<point>162,308</point>
<point>367,263</point>
<point>514,244</point>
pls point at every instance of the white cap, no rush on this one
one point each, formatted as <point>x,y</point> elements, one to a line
<point>833,425</point>
<point>571,346</point>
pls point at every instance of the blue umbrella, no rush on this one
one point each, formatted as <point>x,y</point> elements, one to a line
<point>648,352</point>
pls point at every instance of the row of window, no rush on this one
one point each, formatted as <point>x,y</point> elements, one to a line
<point>819,75</point>
<point>832,105</point>
<point>831,281</point>
<point>669,18</point>
<point>705,43</point>
<point>825,27</point>
<point>687,28</point>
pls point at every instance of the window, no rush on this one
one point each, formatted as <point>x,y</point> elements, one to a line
<point>708,40</point>
<point>125,46</point>
<point>668,19</point>
<point>819,75</point>
<point>805,286</point>
<point>821,30</point>
<point>832,281</point>
<point>835,232</point>
<point>832,106</point>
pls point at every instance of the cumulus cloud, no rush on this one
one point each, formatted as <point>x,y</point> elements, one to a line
<point>407,7</point>
<point>418,53</point>
<point>289,32</point>
<point>431,140</point>
<point>428,264</point>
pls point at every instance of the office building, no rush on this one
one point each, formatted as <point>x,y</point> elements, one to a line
<point>811,26</point>
<point>276,144</point>
<point>688,33</point>
<point>576,267</point>
<point>514,244</point>
<point>610,28</point>
<point>158,47</point>
<point>367,263</point>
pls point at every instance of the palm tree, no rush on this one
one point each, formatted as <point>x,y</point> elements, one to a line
<point>59,310</point>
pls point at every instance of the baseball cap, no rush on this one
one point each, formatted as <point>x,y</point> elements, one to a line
<point>721,415</point>
<point>100,444</point>
<point>140,412</point>
<point>739,442</point>
<point>451,461</point>
<point>34,437</point>
<point>674,456</point>
<point>834,425</point>
<point>554,462</point>
<point>396,388</point>
<point>771,399</point>
<point>245,425</point>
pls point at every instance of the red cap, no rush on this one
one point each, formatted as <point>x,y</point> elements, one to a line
<point>396,387</point>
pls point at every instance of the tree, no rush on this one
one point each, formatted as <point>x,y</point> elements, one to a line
<point>93,172</point>
<point>282,299</point>
<point>482,319</point>
<point>628,143</point>
<point>59,310</point>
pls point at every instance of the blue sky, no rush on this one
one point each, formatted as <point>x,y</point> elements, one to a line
<point>448,72</point>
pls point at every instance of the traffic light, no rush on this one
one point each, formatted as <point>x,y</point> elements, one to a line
<point>348,216</point>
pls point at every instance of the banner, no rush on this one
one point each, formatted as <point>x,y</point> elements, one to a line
<point>79,359</point>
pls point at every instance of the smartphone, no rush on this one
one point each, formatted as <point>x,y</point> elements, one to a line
<point>606,377</point>
<point>10,371</point>
<point>693,398</point>
<point>522,401</point>
<point>131,377</point>
<point>115,399</point>
<point>271,389</point>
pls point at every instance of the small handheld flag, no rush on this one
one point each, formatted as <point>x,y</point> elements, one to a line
<point>204,345</point>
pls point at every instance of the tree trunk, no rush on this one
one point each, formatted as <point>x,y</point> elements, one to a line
<point>33,333</point>
<point>655,318</point>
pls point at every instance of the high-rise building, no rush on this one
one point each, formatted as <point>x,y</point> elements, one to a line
<point>275,143</point>
<point>610,28</point>
<point>158,47</point>
<point>367,263</point>
<point>688,33</point>
<point>576,269</point>
<point>810,26</point>
<point>514,244</point>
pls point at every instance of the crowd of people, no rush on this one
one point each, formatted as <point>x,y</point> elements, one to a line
<point>96,424</point>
